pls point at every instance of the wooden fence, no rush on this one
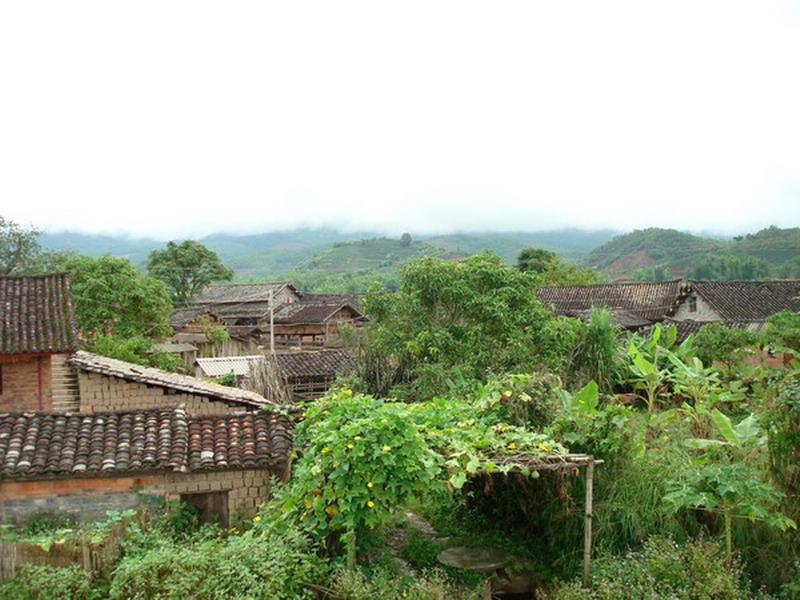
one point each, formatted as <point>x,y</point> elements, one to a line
<point>93,557</point>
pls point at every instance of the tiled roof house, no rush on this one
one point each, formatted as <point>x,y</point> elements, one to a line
<point>633,304</point>
<point>87,463</point>
<point>37,333</point>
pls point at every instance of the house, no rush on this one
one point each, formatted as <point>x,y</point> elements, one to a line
<point>315,322</point>
<point>633,304</point>
<point>86,464</point>
<point>738,301</point>
<point>307,374</point>
<point>37,334</point>
<point>108,384</point>
<point>191,327</point>
<point>297,319</point>
<point>245,303</point>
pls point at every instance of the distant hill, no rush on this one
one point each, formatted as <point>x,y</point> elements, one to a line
<point>353,266</point>
<point>250,256</point>
<point>572,244</point>
<point>671,253</point>
<point>269,255</point>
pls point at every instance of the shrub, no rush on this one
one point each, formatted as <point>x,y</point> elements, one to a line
<point>363,457</point>
<point>663,569</point>
<point>40,582</point>
<point>254,565</point>
<point>433,585</point>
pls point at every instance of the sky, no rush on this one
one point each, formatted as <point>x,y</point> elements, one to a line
<point>186,118</point>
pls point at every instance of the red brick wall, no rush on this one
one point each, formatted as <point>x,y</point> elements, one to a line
<point>21,380</point>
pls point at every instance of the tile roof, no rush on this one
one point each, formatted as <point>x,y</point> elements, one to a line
<point>298,313</point>
<point>314,364</point>
<point>227,293</point>
<point>37,445</point>
<point>36,314</point>
<point>112,367</point>
<point>184,316</point>
<point>749,300</point>
<point>650,300</point>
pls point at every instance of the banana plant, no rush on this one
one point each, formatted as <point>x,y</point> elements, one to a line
<point>740,440</point>
<point>647,376</point>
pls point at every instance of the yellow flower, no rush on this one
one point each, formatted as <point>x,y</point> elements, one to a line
<point>387,448</point>
<point>370,504</point>
<point>325,450</point>
<point>331,510</point>
<point>543,446</point>
<point>512,446</point>
<point>350,446</point>
<point>257,518</point>
<point>358,438</point>
<point>369,485</point>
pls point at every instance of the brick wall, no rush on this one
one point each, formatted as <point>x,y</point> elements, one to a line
<point>89,499</point>
<point>21,385</point>
<point>100,393</point>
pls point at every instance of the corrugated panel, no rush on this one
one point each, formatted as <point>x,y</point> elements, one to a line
<point>217,367</point>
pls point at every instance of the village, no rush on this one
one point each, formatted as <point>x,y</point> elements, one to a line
<point>84,435</point>
<point>367,300</point>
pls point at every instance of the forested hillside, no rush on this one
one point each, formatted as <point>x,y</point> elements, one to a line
<point>655,253</point>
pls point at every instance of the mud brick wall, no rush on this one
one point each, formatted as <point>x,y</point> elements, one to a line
<point>103,393</point>
<point>88,499</point>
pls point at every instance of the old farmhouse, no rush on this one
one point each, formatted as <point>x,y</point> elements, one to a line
<point>83,433</point>
<point>639,305</point>
<point>84,465</point>
<point>37,335</point>
<point>306,374</point>
<point>298,320</point>
<point>634,304</point>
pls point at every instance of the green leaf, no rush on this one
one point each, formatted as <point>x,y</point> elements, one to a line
<point>725,427</point>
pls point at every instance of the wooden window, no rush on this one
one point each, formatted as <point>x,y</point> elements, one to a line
<point>212,506</point>
<point>692,303</point>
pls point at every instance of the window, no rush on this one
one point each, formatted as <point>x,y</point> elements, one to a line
<point>212,507</point>
<point>692,303</point>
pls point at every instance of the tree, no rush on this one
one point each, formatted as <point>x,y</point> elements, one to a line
<point>186,268</point>
<point>552,270</point>
<point>19,248</point>
<point>717,343</point>
<point>405,240</point>
<point>111,297</point>
<point>455,321</point>
<point>729,267</point>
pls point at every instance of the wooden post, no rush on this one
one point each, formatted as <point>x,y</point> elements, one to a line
<point>587,525</point>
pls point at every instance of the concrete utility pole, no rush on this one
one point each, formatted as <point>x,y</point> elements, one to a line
<point>271,321</point>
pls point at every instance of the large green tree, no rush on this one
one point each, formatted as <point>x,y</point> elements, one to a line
<point>451,321</point>
<point>113,298</point>
<point>186,268</point>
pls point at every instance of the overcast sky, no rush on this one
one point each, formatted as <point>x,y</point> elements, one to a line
<point>173,118</point>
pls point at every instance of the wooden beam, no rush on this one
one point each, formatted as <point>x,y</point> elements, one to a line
<point>587,526</point>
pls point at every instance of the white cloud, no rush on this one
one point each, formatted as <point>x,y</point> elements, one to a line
<point>174,118</point>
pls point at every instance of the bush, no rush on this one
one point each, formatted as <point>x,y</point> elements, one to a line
<point>663,569</point>
<point>254,565</point>
<point>433,585</point>
<point>40,582</point>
